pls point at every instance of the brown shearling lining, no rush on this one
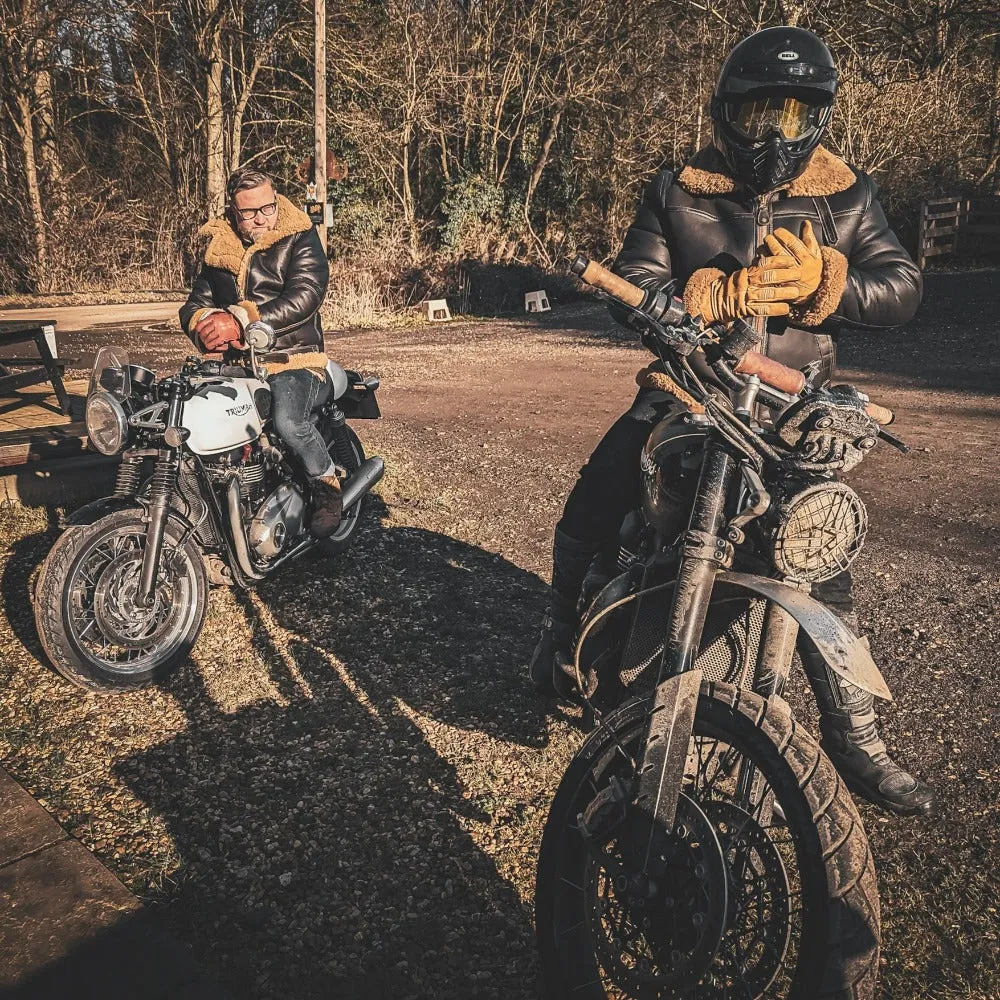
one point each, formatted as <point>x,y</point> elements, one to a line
<point>831,287</point>
<point>825,174</point>
<point>306,359</point>
<point>251,309</point>
<point>697,288</point>
<point>651,378</point>
<point>227,252</point>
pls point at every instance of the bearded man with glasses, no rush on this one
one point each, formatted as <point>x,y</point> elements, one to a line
<point>264,261</point>
<point>764,224</point>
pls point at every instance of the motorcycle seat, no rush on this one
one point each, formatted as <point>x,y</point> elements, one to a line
<point>337,378</point>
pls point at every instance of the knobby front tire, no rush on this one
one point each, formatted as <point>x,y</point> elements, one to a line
<point>839,932</point>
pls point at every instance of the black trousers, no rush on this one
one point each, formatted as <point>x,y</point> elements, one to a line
<point>608,485</point>
<point>608,488</point>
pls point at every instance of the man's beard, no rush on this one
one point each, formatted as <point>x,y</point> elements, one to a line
<point>252,233</point>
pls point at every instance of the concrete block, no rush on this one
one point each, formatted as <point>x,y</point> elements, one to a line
<point>536,302</point>
<point>436,310</point>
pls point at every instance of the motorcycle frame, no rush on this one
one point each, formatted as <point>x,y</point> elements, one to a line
<point>229,522</point>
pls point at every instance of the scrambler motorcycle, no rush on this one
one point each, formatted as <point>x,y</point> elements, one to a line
<point>205,493</point>
<point>700,844</point>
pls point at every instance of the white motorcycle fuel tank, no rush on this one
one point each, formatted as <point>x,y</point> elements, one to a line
<point>222,414</point>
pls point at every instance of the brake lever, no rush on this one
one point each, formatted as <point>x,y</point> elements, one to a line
<point>900,446</point>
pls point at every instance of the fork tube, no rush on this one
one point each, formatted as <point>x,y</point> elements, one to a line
<point>704,552</point>
<point>160,493</point>
<point>777,647</point>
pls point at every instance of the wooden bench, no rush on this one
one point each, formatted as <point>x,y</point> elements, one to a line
<point>16,373</point>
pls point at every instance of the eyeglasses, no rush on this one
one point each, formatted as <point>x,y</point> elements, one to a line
<point>246,214</point>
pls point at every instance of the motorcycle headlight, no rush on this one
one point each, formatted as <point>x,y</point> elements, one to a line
<point>107,426</point>
<point>818,532</point>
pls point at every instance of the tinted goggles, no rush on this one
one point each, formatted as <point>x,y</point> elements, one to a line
<point>758,117</point>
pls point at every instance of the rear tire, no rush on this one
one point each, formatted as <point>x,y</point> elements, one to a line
<point>84,587</point>
<point>837,934</point>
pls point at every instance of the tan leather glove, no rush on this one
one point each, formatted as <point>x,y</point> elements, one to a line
<point>805,251</point>
<point>765,289</point>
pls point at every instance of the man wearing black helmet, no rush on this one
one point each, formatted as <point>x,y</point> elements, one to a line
<point>768,225</point>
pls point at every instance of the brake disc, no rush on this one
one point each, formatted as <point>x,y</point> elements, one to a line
<point>759,921</point>
<point>119,617</point>
<point>660,939</point>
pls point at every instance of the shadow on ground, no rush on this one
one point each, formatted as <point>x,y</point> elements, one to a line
<point>332,832</point>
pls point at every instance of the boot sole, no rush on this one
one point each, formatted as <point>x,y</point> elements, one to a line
<point>925,810</point>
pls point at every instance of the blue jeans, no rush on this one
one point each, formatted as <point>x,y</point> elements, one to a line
<point>296,394</point>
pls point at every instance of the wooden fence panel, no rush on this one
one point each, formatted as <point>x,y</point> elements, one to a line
<point>944,222</point>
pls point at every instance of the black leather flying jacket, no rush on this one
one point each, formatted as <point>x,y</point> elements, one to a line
<point>698,224</point>
<point>281,279</point>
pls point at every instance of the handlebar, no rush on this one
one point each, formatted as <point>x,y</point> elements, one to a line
<point>600,277</point>
<point>880,414</point>
<point>773,373</point>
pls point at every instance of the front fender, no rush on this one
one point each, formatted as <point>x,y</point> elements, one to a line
<point>96,509</point>
<point>845,652</point>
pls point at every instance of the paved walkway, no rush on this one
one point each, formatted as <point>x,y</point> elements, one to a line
<point>68,927</point>
<point>72,318</point>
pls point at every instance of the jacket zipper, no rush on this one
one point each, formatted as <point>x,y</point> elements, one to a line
<point>763,210</point>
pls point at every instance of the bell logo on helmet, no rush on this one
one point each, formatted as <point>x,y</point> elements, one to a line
<point>788,56</point>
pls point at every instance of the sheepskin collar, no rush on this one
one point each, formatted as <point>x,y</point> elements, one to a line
<point>825,174</point>
<point>226,250</point>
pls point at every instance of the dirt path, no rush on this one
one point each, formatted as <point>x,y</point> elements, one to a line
<point>343,795</point>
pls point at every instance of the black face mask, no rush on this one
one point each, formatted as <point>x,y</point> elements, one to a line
<point>767,166</point>
<point>768,158</point>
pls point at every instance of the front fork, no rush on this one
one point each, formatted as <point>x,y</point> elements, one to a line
<point>162,487</point>
<point>705,550</point>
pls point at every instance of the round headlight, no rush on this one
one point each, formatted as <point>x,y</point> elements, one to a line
<point>107,426</point>
<point>819,531</point>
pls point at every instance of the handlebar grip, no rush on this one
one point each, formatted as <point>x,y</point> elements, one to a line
<point>600,277</point>
<point>774,373</point>
<point>880,414</point>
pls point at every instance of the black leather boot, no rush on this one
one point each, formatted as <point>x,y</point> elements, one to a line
<point>850,737</point>
<point>570,561</point>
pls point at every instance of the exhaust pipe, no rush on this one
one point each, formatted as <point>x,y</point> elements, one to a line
<point>240,548</point>
<point>368,474</point>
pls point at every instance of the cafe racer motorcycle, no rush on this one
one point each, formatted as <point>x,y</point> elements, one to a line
<point>700,844</point>
<point>205,493</point>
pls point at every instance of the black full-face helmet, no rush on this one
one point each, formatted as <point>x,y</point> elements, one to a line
<point>772,105</point>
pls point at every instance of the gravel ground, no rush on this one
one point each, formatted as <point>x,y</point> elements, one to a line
<point>342,794</point>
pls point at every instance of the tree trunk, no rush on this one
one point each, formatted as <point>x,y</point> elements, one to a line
<point>541,161</point>
<point>40,277</point>
<point>409,206</point>
<point>45,117</point>
<point>215,133</point>
<point>993,153</point>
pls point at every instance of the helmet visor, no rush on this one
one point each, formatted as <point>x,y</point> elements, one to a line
<point>758,117</point>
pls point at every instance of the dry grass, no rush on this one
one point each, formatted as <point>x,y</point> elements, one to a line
<point>359,299</point>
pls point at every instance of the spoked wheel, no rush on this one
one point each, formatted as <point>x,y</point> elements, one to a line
<point>91,625</point>
<point>747,906</point>
<point>343,537</point>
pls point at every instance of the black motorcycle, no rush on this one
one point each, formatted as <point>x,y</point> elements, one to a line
<point>205,493</point>
<point>701,845</point>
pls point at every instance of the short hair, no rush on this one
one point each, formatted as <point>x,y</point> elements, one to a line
<point>244,178</point>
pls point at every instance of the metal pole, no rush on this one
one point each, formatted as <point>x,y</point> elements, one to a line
<point>319,157</point>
